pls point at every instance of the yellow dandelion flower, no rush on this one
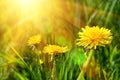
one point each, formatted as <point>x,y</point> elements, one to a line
<point>54,49</point>
<point>91,37</point>
<point>34,40</point>
<point>40,61</point>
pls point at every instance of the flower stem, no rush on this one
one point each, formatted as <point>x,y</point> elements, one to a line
<point>54,72</point>
<point>83,70</point>
<point>54,77</point>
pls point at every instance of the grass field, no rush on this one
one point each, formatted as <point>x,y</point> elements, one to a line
<point>38,40</point>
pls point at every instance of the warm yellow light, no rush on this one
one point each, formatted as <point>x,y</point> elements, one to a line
<point>27,7</point>
<point>33,9</point>
<point>26,2</point>
<point>29,3</point>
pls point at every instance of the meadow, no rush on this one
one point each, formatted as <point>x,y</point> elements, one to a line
<point>59,39</point>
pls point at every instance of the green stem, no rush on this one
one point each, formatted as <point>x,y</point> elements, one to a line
<point>83,70</point>
<point>54,68</point>
<point>54,72</point>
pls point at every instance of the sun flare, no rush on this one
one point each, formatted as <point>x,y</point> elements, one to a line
<point>29,3</point>
<point>26,2</point>
<point>36,7</point>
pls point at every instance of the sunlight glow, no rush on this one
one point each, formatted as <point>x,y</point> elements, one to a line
<point>40,10</point>
<point>28,3</point>
<point>43,8</point>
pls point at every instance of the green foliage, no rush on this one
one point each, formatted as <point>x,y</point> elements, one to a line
<point>78,56</point>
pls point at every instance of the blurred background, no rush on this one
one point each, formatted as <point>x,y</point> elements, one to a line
<point>57,18</point>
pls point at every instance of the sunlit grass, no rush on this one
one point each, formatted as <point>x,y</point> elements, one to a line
<point>55,23</point>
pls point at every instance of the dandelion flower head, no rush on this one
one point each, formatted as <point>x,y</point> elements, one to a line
<point>54,49</point>
<point>91,37</point>
<point>34,40</point>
